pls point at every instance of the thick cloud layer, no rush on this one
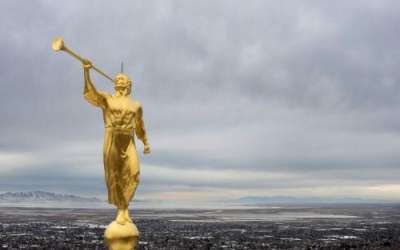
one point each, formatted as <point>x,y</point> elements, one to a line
<point>240,98</point>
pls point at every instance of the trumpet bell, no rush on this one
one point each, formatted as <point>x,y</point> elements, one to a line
<point>58,44</point>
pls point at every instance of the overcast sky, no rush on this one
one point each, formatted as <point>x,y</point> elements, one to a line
<point>241,98</point>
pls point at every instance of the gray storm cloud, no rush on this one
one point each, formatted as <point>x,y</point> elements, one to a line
<point>264,96</point>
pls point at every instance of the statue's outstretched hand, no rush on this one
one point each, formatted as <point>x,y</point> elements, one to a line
<point>146,149</point>
<point>87,64</point>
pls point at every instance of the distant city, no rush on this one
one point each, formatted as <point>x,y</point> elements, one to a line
<point>291,226</point>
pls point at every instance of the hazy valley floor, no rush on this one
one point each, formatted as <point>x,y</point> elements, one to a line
<point>289,227</point>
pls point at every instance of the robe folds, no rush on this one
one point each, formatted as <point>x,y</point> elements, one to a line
<point>122,120</point>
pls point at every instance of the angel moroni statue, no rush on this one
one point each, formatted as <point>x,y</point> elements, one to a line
<point>123,119</point>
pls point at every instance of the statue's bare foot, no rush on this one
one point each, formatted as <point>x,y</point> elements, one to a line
<point>120,217</point>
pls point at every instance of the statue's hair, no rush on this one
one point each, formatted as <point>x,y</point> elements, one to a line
<point>126,78</point>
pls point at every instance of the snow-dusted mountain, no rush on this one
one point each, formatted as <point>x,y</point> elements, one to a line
<point>260,200</point>
<point>41,196</point>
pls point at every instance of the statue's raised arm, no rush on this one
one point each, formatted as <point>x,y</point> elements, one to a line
<point>90,92</point>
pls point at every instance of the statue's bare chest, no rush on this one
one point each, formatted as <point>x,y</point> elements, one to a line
<point>120,111</point>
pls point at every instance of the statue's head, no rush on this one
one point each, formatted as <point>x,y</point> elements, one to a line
<point>122,84</point>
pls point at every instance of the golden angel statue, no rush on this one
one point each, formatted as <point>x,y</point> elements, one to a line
<point>123,118</point>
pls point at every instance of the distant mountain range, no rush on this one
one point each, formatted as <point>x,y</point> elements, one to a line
<point>41,196</point>
<point>253,200</point>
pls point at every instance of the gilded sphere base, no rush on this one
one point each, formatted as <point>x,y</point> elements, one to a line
<point>121,237</point>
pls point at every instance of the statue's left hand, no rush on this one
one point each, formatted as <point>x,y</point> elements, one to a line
<point>146,149</point>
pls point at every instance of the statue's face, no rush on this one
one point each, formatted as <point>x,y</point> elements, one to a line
<point>123,91</point>
<point>122,85</point>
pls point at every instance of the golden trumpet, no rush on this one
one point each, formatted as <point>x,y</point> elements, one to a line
<point>58,44</point>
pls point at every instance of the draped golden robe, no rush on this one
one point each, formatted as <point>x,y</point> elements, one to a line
<point>122,119</point>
